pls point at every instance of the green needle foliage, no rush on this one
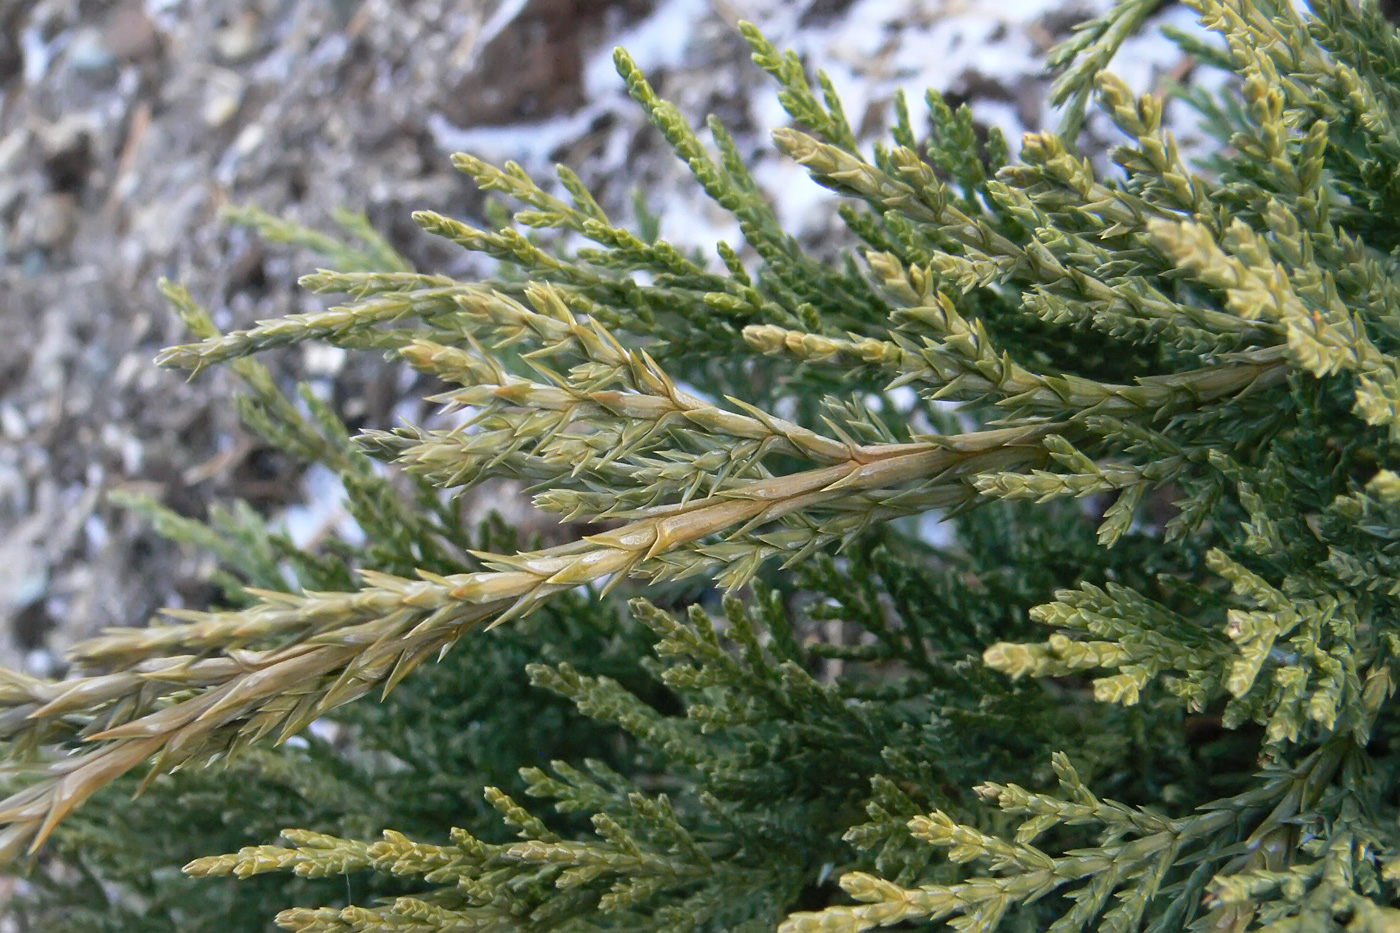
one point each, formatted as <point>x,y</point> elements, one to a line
<point>1164,706</point>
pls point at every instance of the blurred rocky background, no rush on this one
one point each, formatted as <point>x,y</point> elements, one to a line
<point>125,127</point>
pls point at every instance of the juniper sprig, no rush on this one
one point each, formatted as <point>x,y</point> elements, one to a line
<point>842,729</point>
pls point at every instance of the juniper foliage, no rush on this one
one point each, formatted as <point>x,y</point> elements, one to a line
<point>1164,706</point>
